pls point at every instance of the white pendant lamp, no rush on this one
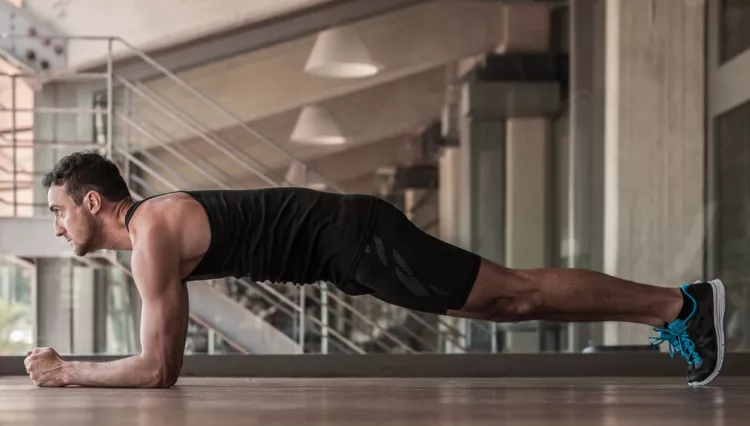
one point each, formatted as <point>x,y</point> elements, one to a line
<point>340,53</point>
<point>316,126</point>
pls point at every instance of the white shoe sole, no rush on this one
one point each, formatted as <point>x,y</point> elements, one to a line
<point>720,304</point>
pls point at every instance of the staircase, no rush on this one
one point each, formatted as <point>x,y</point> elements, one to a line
<point>256,317</point>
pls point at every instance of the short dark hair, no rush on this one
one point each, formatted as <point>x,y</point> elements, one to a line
<point>82,172</point>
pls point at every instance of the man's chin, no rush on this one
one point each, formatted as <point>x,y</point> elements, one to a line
<point>80,251</point>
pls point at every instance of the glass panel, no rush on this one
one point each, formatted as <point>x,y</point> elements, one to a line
<point>122,337</point>
<point>16,309</point>
<point>735,28</point>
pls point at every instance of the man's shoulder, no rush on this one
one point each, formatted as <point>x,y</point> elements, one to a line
<point>163,217</point>
<point>177,223</point>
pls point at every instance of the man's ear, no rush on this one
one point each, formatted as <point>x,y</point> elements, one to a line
<point>93,202</point>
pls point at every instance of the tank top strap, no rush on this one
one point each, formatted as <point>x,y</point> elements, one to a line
<point>131,210</point>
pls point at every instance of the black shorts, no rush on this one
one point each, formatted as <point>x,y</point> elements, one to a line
<point>403,265</point>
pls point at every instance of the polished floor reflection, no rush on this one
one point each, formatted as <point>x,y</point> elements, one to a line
<point>267,402</point>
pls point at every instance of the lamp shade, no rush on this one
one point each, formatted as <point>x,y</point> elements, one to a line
<point>316,126</point>
<point>340,53</point>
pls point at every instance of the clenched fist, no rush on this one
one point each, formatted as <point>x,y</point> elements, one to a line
<point>45,367</point>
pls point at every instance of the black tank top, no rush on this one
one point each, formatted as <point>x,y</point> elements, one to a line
<point>288,235</point>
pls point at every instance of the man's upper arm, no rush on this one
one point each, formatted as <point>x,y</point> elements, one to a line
<point>165,307</point>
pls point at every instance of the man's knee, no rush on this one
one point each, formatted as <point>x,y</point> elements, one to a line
<point>501,292</point>
<point>515,309</point>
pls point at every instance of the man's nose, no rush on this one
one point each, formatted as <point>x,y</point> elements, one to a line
<point>58,230</point>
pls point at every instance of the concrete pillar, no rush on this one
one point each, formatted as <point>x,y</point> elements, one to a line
<point>100,307</point>
<point>84,296</point>
<point>54,304</point>
<point>654,146</point>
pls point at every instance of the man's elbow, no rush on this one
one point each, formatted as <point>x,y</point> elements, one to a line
<point>159,380</point>
<point>166,382</point>
<point>162,377</point>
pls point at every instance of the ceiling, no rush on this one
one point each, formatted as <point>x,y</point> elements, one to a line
<point>150,24</point>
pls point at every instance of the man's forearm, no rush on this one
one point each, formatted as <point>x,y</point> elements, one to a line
<point>132,372</point>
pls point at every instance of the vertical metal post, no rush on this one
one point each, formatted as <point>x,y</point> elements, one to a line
<point>302,318</point>
<point>126,170</point>
<point>493,338</point>
<point>302,291</point>
<point>324,317</point>
<point>211,337</point>
<point>15,143</point>
<point>110,100</point>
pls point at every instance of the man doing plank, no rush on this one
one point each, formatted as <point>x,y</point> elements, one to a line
<point>360,243</point>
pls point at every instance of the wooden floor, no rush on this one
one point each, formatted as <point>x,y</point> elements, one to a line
<point>415,402</point>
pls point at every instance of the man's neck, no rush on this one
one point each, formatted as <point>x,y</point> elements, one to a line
<point>118,237</point>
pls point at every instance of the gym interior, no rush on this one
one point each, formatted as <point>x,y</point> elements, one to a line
<point>611,135</point>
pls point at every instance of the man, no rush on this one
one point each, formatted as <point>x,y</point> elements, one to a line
<point>361,244</point>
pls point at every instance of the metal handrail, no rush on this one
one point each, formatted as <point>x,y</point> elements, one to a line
<point>351,322</point>
<point>411,333</point>
<point>203,129</point>
<point>221,109</point>
<point>171,150</point>
<point>146,168</point>
<point>191,126</point>
<point>430,327</point>
<point>143,183</point>
<point>158,131</point>
<point>333,332</point>
<point>371,322</point>
<point>153,158</point>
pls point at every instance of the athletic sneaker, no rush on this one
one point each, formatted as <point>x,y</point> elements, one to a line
<point>699,338</point>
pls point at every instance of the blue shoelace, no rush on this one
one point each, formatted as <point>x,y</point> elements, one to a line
<point>679,342</point>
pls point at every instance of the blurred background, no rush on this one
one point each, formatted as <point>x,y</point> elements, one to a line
<point>612,135</point>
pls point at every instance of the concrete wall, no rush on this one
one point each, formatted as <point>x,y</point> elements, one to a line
<point>148,24</point>
<point>654,166</point>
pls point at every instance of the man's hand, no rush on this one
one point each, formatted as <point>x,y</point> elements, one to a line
<point>45,367</point>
